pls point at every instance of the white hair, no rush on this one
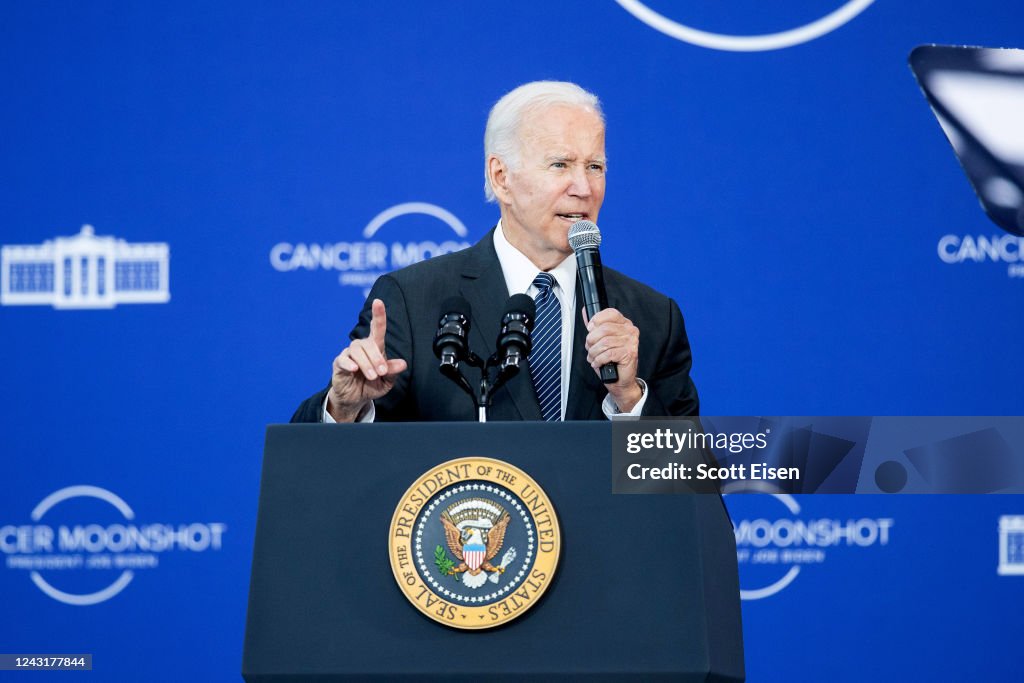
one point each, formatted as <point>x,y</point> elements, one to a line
<point>501,137</point>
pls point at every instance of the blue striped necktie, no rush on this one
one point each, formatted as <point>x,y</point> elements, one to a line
<point>546,354</point>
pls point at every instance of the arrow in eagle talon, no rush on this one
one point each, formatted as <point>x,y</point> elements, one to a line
<point>506,560</point>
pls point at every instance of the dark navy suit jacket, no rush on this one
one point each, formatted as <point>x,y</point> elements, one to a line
<point>413,295</point>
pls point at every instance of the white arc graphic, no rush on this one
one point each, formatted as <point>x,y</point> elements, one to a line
<point>755,43</point>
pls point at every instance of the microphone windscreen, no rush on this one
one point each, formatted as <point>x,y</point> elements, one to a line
<point>521,303</point>
<point>455,304</point>
<point>584,235</point>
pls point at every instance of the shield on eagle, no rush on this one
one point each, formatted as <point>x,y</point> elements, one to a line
<point>473,553</point>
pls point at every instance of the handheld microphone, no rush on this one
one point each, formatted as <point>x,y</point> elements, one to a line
<point>450,344</point>
<point>514,341</point>
<point>585,238</point>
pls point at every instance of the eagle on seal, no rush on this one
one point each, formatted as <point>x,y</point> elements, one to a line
<point>473,550</point>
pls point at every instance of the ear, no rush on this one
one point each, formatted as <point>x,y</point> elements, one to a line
<point>498,176</point>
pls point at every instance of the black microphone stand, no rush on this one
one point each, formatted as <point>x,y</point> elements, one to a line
<point>488,383</point>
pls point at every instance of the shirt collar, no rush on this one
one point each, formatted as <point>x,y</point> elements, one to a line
<point>519,270</point>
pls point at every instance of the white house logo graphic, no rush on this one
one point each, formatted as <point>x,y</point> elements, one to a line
<point>84,271</point>
<point>746,43</point>
<point>360,262</point>
<point>771,550</point>
<point>1011,545</point>
<point>94,561</point>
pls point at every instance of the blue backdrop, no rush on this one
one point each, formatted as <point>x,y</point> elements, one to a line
<point>791,200</point>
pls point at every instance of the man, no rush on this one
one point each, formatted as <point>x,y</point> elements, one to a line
<point>545,167</point>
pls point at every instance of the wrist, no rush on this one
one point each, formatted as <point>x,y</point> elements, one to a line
<point>627,397</point>
<point>345,412</point>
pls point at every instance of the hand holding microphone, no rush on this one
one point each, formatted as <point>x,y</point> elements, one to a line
<point>613,341</point>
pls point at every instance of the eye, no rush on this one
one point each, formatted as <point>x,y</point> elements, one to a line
<point>596,168</point>
<point>558,164</point>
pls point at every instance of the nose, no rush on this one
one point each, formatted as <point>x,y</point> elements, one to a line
<point>580,183</point>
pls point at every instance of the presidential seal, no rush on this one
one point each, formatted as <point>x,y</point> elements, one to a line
<point>474,543</point>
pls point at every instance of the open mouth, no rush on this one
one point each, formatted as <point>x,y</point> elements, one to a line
<point>573,217</point>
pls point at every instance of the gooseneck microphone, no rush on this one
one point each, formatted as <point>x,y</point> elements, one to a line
<point>514,341</point>
<point>585,238</point>
<point>452,329</point>
<point>451,346</point>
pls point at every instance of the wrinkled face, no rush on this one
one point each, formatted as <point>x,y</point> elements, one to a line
<point>558,181</point>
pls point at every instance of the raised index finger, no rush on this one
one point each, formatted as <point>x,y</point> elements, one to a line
<point>378,323</point>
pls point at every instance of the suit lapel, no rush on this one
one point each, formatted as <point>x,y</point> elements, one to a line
<point>483,286</point>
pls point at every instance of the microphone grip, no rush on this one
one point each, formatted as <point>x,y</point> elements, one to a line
<point>588,262</point>
<point>591,275</point>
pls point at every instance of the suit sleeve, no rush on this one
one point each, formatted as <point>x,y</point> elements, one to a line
<point>311,410</point>
<point>398,344</point>
<point>672,392</point>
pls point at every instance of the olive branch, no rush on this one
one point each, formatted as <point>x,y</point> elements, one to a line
<point>443,562</point>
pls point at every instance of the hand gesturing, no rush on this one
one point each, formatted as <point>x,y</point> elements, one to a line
<point>362,372</point>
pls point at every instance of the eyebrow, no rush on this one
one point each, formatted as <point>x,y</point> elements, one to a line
<point>563,157</point>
